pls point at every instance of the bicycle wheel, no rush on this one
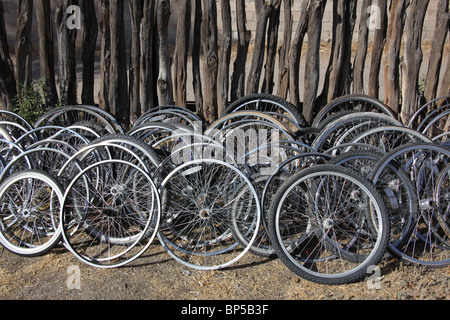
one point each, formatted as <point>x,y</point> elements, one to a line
<point>353,103</point>
<point>439,126</point>
<point>269,185</point>
<point>418,119</point>
<point>388,138</point>
<point>14,129</point>
<point>117,147</point>
<point>48,160</point>
<point>243,137</point>
<point>29,220</point>
<point>70,115</point>
<point>348,127</point>
<point>162,137</point>
<point>272,105</point>
<point>240,117</point>
<point>14,117</point>
<point>426,244</point>
<point>393,185</point>
<point>265,159</point>
<point>329,225</point>
<point>110,214</point>
<point>442,195</point>
<point>211,214</point>
<point>68,135</point>
<point>173,116</point>
<point>9,151</point>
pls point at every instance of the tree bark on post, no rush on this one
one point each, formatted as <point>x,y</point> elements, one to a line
<point>312,71</point>
<point>392,55</point>
<point>338,76</point>
<point>7,78</point>
<point>105,55</point>
<point>196,43</point>
<point>361,54</point>
<point>413,57</point>
<point>283,78</point>
<point>260,44</point>
<point>46,51</point>
<point>165,85</point>
<point>90,34</point>
<point>436,55</point>
<point>244,37</point>
<point>118,94</point>
<point>445,84</point>
<point>147,80</point>
<point>296,53</point>
<point>225,58</point>
<point>24,45</point>
<point>378,48</point>
<point>66,55</point>
<point>211,65</point>
<point>272,46</point>
<point>136,13</point>
<point>181,53</point>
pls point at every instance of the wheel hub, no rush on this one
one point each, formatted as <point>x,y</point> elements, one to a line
<point>328,223</point>
<point>204,213</point>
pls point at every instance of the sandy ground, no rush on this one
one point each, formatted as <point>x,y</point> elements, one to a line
<point>156,276</point>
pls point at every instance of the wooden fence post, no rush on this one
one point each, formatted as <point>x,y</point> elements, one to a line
<point>413,57</point>
<point>118,88</point>
<point>134,69</point>
<point>244,37</point>
<point>272,46</point>
<point>66,55</point>
<point>378,48</point>
<point>90,35</point>
<point>312,71</point>
<point>181,54</point>
<point>392,54</point>
<point>196,43</point>
<point>435,64</point>
<point>147,65</point>
<point>210,47</point>
<point>338,75</point>
<point>361,54</point>
<point>7,78</point>
<point>46,50</point>
<point>105,55</point>
<point>24,45</point>
<point>296,52</point>
<point>225,58</point>
<point>165,85</point>
<point>260,44</point>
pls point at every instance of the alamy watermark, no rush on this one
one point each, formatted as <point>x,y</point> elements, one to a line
<point>74,17</point>
<point>374,20</point>
<point>74,278</point>
<point>373,281</point>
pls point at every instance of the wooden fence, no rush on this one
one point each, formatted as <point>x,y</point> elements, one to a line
<point>139,68</point>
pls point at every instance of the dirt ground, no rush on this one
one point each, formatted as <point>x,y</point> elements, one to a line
<point>156,276</point>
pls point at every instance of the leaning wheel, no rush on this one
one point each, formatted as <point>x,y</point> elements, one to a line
<point>29,219</point>
<point>207,203</point>
<point>352,103</point>
<point>427,243</point>
<point>110,214</point>
<point>328,225</point>
<point>271,105</point>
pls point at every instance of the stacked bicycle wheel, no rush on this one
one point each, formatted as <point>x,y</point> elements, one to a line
<point>329,199</point>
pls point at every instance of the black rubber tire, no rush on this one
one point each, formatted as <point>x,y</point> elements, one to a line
<point>349,276</point>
